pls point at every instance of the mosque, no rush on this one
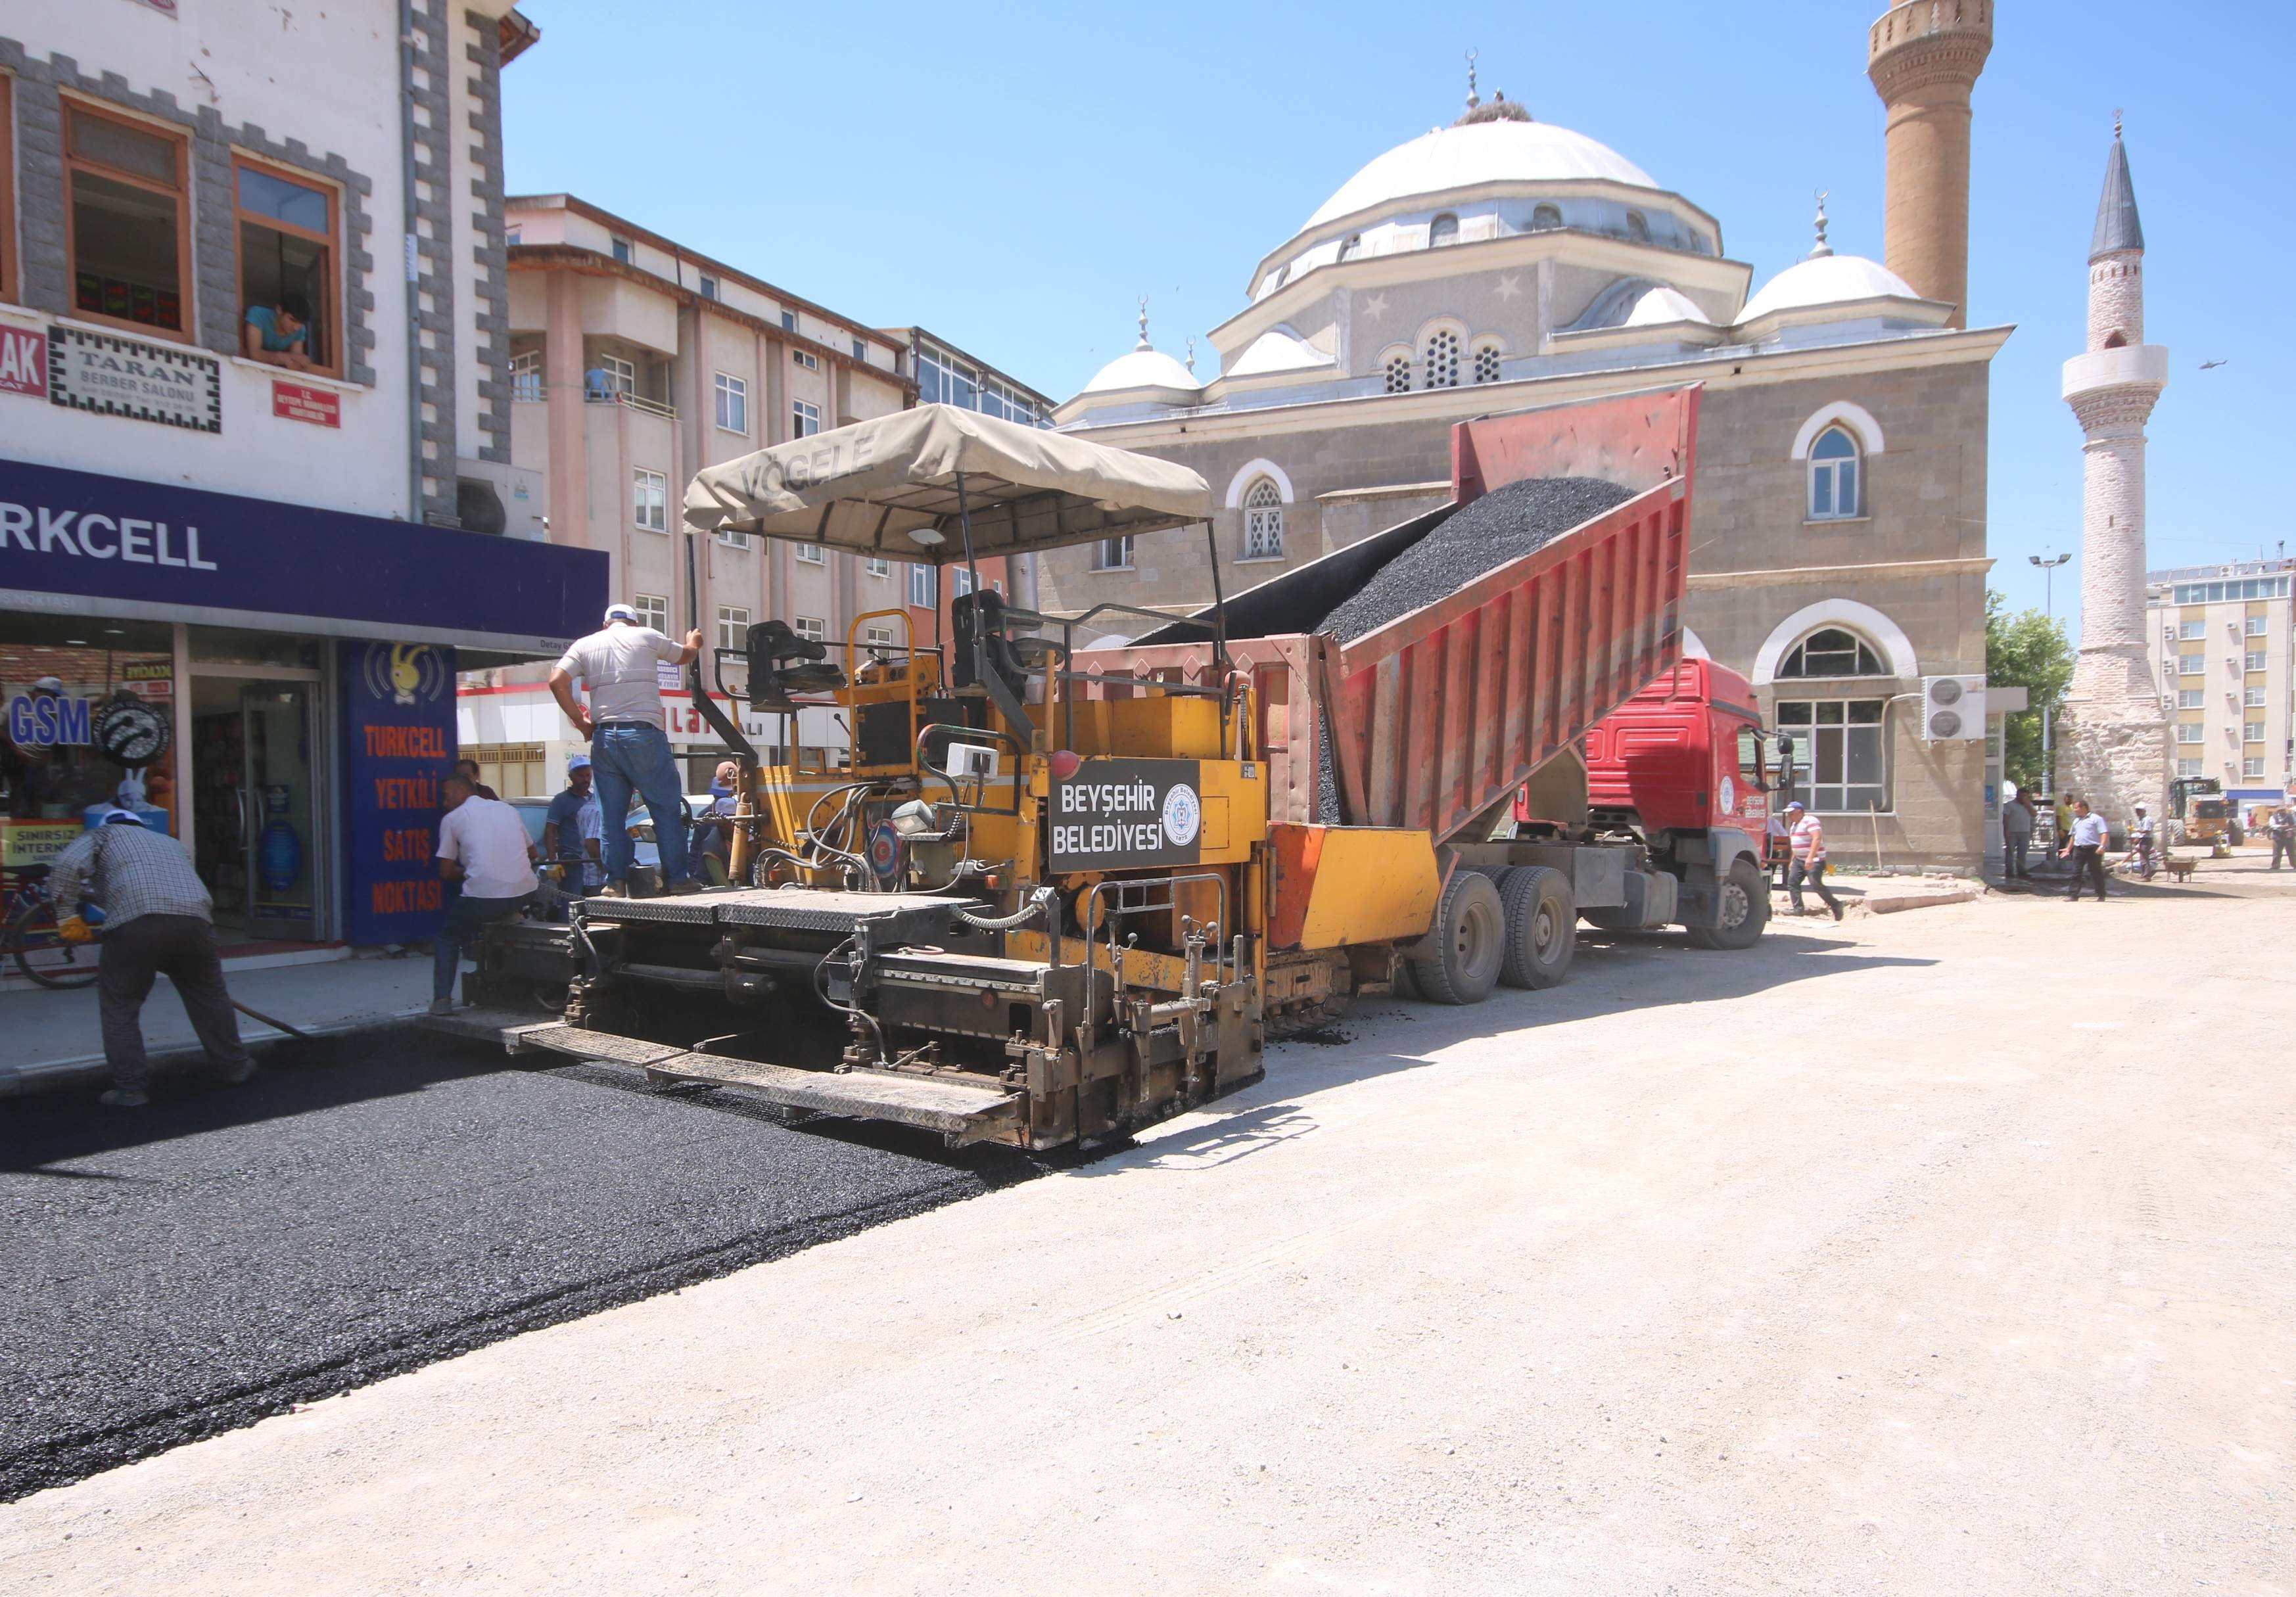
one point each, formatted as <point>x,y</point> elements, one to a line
<point>1839,539</point>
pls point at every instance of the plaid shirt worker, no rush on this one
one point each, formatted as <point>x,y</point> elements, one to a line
<point>138,874</point>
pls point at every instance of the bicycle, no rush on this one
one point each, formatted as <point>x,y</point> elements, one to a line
<point>28,935</point>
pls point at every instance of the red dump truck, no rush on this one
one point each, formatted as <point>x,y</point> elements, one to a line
<point>1538,725</point>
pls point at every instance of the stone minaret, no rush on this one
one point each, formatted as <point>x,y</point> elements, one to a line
<point>2113,743</point>
<point>1923,57</point>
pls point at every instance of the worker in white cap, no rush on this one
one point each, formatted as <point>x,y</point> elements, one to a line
<point>158,919</point>
<point>629,748</point>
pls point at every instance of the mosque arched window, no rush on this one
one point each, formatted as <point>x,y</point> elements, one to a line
<point>1832,651</point>
<point>1352,248</point>
<point>1833,476</point>
<point>1262,520</point>
<point>1487,361</point>
<point>1442,359</point>
<point>1443,230</point>
<point>1397,368</point>
<point>1638,227</point>
<point>1545,216</point>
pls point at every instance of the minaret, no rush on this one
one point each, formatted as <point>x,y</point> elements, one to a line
<point>2113,748</point>
<point>1923,57</point>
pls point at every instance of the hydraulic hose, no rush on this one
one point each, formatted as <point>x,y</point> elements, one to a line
<point>1040,902</point>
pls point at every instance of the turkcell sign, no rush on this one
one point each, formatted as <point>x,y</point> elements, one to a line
<point>167,550</point>
<point>1116,814</point>
<point>398,749</point>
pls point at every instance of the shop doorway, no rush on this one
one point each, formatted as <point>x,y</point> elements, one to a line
<point>254,771</point>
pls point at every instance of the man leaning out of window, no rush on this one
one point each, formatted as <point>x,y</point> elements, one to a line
<point>280,335</point>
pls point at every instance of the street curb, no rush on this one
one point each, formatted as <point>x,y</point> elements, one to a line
<point>85,1069</point>
<point>1890,907</point>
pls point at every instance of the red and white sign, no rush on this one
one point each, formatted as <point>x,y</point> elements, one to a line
<point>23,361</point>
<point>300,402</point>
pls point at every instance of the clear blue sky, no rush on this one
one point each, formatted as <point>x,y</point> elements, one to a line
<point>1014,178</point>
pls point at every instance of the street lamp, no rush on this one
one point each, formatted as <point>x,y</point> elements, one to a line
<point>2048,609</point>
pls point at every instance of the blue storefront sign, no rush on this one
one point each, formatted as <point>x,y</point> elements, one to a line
<point>77,543</point>
<point>399,723</point>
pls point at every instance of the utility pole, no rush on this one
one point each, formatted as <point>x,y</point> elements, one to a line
<point>2048,610</point>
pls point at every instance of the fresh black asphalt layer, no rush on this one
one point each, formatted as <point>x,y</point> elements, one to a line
<point>373,1206</point>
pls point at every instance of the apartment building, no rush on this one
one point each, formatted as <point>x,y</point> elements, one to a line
<point>2220,639</point>
<point>634,363</point>
<point>255,442</point>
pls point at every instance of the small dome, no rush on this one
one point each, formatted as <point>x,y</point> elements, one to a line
<point>1278,349</point>
<point>1476,152</point>
<point>1662,306</point>
<point>1826,279</point>
<point>1141,368</point>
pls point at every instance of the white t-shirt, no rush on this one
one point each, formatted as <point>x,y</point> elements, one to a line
<point>617,665</point>
<point>489,839</point>
<point>2089,832</point>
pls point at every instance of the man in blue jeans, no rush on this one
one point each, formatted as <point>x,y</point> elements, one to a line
<point>483,846</point>
<point>629,752</point>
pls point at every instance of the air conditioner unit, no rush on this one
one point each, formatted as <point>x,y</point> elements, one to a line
<point>1953,708</point>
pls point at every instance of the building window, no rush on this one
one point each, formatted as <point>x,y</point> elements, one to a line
<point>1486,364</point>
<point>709,286</point>
<point>1112,554</point>
<point>609,377</point>
<point>624,253</point>
<point>2189,698</point>
<point>1442,359</point>
<point>920,586</point>
<point>806,359</point>
<point>2188,767</point>
<point>650,500</point>
<point>1638,227</point>
<point>2191,732</point>
<point>2254,698</point>
<point>813,554</point>
<point>805,420</point>
<point>877,566</point>
<point>732,405</point>
<point>1275,280</point>
<point>2257,625</point>
<point>789,321</point>
<point>9,289</point>
<point>2251,732</point>
<point>1833,476</point>
<point>1352,247</point>
<point>1830,652</point>
<point>860,350</point>
<point>1398,373</point>
<point>2192,631</point>
<point>526,374</point>
<point>877,636</point>
<point>127,220</point>
<point>1544,216</point>
<point>2191,665</point>
<point>810,627</point>
<point>2256,660</point>
<point>960,581</point>
<point>2252,767</point>
<point>653,611</point>
<point>733,627</point>
<point>1838,755</point>
<point>1443,230</point>
<point>1262,520</point>
<point>733,538</point>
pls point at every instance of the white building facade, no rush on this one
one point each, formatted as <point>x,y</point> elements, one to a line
<point>2221,642</point>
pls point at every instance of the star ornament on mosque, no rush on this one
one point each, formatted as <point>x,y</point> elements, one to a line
<point>1375,307</point>
<point>1510,286</point>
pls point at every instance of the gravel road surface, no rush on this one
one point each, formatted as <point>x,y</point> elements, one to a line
<point>371,1206</point>
<point>1944,1252</point>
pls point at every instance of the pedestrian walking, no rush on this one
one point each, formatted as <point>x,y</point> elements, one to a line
<point>2143,841</point>
<point>2086,842</point>
<point>483,846</point>
<point>1806,838</point>
<point>572,832</point>
<point>2282,830</point>
<point>2017,822</point>
<point>157,918</point>
<point>629,752</point>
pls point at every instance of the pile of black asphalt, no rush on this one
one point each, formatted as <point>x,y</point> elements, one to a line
<point>372,1206</point>
<point>1486,533</point>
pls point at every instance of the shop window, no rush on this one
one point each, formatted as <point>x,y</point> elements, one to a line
<point>287,254</point>
<point>128,232</point>
<point>1841,764</point>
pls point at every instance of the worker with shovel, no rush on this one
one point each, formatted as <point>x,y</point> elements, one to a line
<point>158,917</point>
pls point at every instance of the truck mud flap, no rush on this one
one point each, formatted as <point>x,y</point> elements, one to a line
<point>959,1112</point>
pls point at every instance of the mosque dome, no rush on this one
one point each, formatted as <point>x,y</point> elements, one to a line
<point>1826,279</point>
<point>1141,368</point>
<point>1499,150</point>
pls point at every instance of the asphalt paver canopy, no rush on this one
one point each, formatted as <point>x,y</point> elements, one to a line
<point>227,1254</point>
<point>872,486</point>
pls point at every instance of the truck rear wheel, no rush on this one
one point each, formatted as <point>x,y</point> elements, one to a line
<point>1744,909</point>
<point>1469,939</point>
<point>1542,926</point>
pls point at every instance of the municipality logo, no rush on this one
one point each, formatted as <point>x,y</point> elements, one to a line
<point>404,674</point>
<point>1184,812</point>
